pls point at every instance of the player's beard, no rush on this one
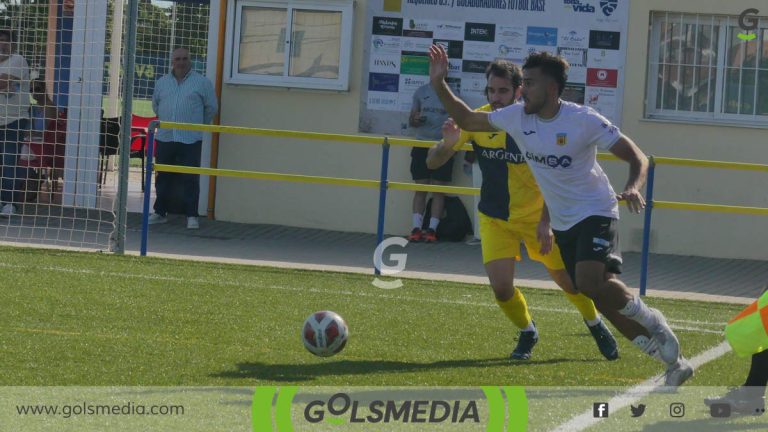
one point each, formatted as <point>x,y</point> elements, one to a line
<point>529,107</point>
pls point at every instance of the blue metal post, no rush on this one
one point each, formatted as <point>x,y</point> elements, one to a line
<point>150,152</point>
<point>382,197</point>
<point>647,226</point>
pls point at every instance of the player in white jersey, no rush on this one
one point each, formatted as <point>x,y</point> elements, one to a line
<point>560,142</point>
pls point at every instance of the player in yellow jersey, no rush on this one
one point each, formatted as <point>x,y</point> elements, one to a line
<point>510,210</point>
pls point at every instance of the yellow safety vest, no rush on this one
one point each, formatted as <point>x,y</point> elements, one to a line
<point>747,332</point>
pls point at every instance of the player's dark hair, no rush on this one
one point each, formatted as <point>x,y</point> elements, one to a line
<point>507,70</point>
<point>550,65</point>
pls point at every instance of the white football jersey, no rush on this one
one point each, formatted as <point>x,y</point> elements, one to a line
<point>561,153</point>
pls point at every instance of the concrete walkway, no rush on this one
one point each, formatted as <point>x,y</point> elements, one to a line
<point>738,281</point>
<point>42,224</point>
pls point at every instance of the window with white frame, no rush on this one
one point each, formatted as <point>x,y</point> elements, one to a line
<point>290,43</point>
<point>701,70</point>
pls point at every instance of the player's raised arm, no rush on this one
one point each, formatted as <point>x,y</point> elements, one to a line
<point>466,118</point>
<point>626,150</point>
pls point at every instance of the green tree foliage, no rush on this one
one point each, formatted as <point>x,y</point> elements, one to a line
<point>29,21</point>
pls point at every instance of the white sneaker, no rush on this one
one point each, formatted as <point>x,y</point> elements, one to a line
<point>155,219</point>
<point>669,346</point>
<point>678,373</point>
<point>192,223</point>
<point>8,210</point>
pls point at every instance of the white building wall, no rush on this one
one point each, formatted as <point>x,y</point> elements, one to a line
<point>355,209</point>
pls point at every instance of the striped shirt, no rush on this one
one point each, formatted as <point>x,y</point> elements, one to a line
<point>190,101</point>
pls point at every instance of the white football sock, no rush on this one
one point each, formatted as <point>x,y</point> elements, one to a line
<point>594,322</point>
<point>530,327</point>
<point>648,346</point>
<point>636,310</point>
<point>417,220</point>
<point>433,223</point>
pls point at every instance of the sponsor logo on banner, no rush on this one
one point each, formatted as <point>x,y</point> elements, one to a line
<point>479,50</point>
<point>609,6</point>
<point>454,66</point>
<point>449,31</point>
<point>511,52</point>
<point>387,26</point>
<point>417,34</point>
<point>417,45</point>
<point>602,77</point>
<point>414,64</point>
<point>410,83</point>
<point>474,66</point>
<point>579,6</point>
<point>385,64</point>
<point>536,49</point>
<point>386,45</point>
<point>480,32</point>
<point>414,24</point>
<point>511,35</point>
<point>543,36</point>
<point>576,57</point>
<point>607,40</point>
<point>603,100</point>
<point>383,82</point>
<point>450,27</point>
<point>573,39</point>
<point>383,101</point>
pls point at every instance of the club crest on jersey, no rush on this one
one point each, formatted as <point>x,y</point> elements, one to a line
<point>562,139</point>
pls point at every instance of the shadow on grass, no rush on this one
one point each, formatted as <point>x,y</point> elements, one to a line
<point>308,372</point>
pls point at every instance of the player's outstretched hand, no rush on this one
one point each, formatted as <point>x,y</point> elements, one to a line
<point>451,132</point>
<point>438,63</point>
<point>634,199</point>
<point>545,237</point>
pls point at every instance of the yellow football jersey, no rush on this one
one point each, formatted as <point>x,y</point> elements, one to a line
<point>509,191</point>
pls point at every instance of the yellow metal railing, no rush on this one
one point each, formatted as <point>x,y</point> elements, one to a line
<point>383,184</point>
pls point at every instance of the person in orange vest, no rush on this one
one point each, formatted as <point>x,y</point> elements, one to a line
<point>749,398</point>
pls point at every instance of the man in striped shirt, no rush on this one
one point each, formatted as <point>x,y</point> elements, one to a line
<point>181,96</point>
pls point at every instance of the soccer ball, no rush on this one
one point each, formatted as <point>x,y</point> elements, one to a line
<point>324,333</point>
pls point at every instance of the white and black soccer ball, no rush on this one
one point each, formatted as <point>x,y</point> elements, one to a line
<point>324,333</point>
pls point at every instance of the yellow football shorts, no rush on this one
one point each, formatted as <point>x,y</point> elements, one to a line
<point>501,239</point>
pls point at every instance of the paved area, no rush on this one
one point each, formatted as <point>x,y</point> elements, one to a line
<point>669,275</point>
<point>49,224</point>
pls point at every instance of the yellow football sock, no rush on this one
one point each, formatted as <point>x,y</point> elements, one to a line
<point>516,310</point>
<point>584,304</point>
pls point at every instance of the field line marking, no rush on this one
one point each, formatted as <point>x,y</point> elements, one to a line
<point>674,322</point>
<point>635,393</point>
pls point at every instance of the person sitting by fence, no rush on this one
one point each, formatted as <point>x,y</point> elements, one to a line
<point>44,109</point>
<point>45,154</point>
<point>14,115</point>
<point>426,119</point>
